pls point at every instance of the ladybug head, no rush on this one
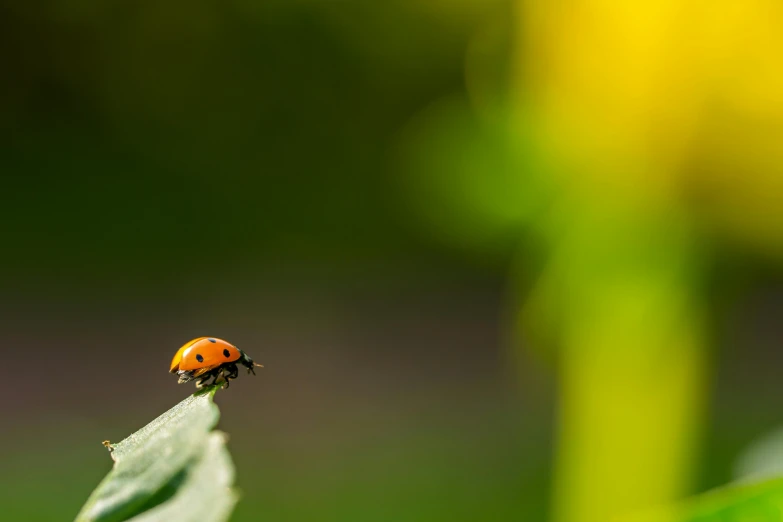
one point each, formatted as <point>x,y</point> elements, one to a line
<point>247,362</point>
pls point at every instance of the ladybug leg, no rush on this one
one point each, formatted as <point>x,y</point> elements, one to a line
<point>219,374</point>
<point>233,373</point>
<point>227,373</point>
<point>202,381</point>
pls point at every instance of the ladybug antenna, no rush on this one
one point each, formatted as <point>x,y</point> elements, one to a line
<point>259,365</point>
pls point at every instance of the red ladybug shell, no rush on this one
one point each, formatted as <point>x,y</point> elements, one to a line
<point>204,352</point>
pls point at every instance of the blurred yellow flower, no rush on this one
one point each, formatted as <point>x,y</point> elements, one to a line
<point>676,102</point>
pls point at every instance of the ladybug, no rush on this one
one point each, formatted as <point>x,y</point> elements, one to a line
<point>207,358</point>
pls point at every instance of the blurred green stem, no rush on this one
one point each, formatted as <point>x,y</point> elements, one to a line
<point>625,286</point>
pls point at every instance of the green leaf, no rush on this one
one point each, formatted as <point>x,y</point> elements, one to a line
<point>738,502</point>
<point>175,468</point>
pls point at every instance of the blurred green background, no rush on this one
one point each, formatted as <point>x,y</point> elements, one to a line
<point>502,260</point>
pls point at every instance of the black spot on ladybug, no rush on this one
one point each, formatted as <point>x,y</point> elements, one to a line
<point>211,340</point>
<point>199,358</point>
<point>226,352</point>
